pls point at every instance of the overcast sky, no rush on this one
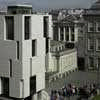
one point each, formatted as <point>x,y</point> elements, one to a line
<point>50,3</point>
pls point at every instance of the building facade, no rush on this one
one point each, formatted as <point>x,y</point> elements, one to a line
<point>62,55</point>
<point>22,51</point>
<point>92,52</point>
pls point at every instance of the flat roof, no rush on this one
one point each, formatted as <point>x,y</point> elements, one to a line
<point>20,5</point>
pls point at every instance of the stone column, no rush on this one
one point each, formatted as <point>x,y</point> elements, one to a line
<point>64,34</point>
<point>69,34</point>
<point>76,34</point>
<point>49,46</point>
<point>58,33</point>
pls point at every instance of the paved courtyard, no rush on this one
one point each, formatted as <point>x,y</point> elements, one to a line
<point>77,78</point>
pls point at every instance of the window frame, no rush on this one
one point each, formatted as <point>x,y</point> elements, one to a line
<point>89,44</point>
<point>7,33</point>
<point>90,25</point>
<point>89,63</point>
<point>35,48</point>
<point>98,59</point>
<point>97,26</point>
<point>25,37</point>
<point>97,44</point>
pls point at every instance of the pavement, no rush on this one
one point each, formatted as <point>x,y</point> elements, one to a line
<point>77,78</point>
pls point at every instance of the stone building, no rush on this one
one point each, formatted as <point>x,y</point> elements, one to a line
<point>62,55</point>
<point>92,37</point>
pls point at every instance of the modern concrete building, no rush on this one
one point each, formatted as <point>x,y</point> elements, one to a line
<point>22,52</point>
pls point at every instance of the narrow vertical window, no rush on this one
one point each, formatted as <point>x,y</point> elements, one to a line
<point>27,27</point>
<point>67,33</point>
<point>90,44</point>
<point>99,64</point>
<point>21,87</point>
<point>55,32</point>
<point>91,62</point>
<point>61,34</point>
<point>98,44</point>
<point>5,86</point>
<point>33,48</point>
<point>90,27</point>
<point>97,26</point>
<point>17,49</point>
<point>32,85</point>
<point>46,20</point>
<point>47,45</point>
<point>9,27</point>
<point>10,62</point>
<point>72,34</point>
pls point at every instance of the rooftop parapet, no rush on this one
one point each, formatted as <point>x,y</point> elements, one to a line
<point>19,9</point>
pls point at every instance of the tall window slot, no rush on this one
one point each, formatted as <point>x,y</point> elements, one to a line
<point>90,44</point>
<point>91,62</point>
<point>9,27</point>
<point>17,49</point>
<point>33,48</point>
<point>46,20</point>
<point>47,45</point>
<point>32,85</point>
<point>5,86</point>
<point>10,62</point>
<point>27,27</point>
<point>99,64</point>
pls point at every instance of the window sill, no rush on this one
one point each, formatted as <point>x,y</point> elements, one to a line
<point>90,49</point>
<point>98,50</point>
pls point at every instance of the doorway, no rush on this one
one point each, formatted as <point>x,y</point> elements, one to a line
<point>32,85</point>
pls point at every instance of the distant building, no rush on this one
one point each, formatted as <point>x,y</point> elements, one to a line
<point>22,52</point>
<point>62,55</point>
<point>92,31</point>
<point>69,26</point>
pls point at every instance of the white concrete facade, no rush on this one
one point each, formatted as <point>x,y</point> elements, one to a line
<point>19,70</point>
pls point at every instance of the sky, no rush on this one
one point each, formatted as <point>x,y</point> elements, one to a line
<point>50,3</point>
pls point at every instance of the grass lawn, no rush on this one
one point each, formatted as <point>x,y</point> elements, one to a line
<point>96,97</point>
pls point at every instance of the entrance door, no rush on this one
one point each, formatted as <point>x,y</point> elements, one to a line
<point>5,86</point>
<point>32,85</point>
<point>81,63</point>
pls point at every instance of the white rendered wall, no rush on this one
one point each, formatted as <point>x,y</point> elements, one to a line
<point>40,81</point>
<point>18,28</point>
<point>14,88</point>
<point>26,66</point>
<point>7,52</point>
<point>52,63</point>
<point>50,28</point>
<point>1,86</point>
<point>2,29</point>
